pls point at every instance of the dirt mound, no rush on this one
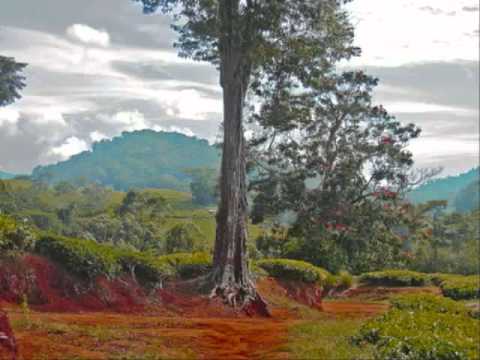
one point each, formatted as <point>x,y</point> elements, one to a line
<point>307,294</point>
<point>47,287</point>
<point>8,346</point>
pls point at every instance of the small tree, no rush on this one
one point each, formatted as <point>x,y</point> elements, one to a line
<point>204,186</point>
<point>327,154</point>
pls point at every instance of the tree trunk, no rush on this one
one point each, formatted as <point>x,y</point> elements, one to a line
<point>230,273</point>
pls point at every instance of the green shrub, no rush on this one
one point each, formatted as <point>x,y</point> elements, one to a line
<point>89,259</point>
<point>461,287</point>
<point>181,238</point>
<point>85,258</point>
<point>345,279</point>
<point>428,302</point>
<point>341,281</point>
<point>188,265</point>
<point>438,278</point>
<point>293,270</point>
<point>395,278</point>
<point>144,266</point>
<point>14,237</point>
<point>420,327</point>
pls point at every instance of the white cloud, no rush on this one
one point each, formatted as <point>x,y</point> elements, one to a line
<point>8,116</point>
<point>417,107</point>
<point>130,120</point>
<point>71,146</point>
<point>88,35</point>
<point>97,136</point>
<point>396,32</point>
<point>180,130</point>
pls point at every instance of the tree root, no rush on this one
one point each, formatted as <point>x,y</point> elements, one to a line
<point>246,299</point>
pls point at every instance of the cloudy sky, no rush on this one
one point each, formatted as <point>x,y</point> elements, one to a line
<point>100,67</point>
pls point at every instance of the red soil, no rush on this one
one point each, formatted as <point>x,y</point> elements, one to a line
<point>161,322</point>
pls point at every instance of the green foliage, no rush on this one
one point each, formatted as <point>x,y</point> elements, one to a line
<point>295,270</point>
<point>313,157</point>
<point>140,159</point>
<point>395,278</point>
<point>327,338</point>
<point>461,287</point>
<point>204,186</point>
<point>181,238</point>
<point>85,258</point>
<point>422,327</point>
<point>468,199</point>
<point>11,80</point>
<point>88,259</point>
<point>428,302</point>
<point>188,265</point>
<point>446,242</point>
<point>14,237</point>
<point>145,267</point>
<point>345,279</point>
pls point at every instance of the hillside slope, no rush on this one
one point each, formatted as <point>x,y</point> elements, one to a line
<point>140,159</point>
<point>447,188</point>
<point>5,175</point>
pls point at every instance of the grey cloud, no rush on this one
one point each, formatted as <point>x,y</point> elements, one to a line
<point>453,164</point>
<point>123,19</point>
<point>471,8</point>
<point>442,83</point>
<point>202,73</point>
<point>441,125</point>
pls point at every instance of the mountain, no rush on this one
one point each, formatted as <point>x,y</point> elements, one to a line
<point>139,159</point>
<point>5,175</point>
<point>451,188</point>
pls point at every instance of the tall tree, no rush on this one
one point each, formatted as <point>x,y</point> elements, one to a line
<point>248,39</point>
<point>11,80</point>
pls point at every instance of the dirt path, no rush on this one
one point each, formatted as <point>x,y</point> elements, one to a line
<point>110,336</point>
<point>91,336</point>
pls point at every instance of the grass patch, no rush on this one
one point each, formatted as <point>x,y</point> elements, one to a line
<point>327,339</point>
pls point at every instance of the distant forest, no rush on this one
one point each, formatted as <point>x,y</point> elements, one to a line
<point>461,191</point>
<point>140,159</point>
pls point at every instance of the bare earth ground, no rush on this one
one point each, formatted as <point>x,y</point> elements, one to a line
<point>187,332</point>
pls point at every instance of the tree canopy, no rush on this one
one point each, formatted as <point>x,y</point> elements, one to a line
<point>11,80</point>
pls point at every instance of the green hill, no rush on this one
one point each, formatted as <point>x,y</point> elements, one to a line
<point>140,159</point>
<point>5,175</point>
<point>451,188</point>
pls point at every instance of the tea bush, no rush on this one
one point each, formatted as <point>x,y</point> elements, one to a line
<point>85,258</point>
<point>188,265</point>
<point>293,270</point>
<point>461,287</point>
<point>395,278</point>
<point>144,267</point>
<point>428,302</point>
<point>422,327</point>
